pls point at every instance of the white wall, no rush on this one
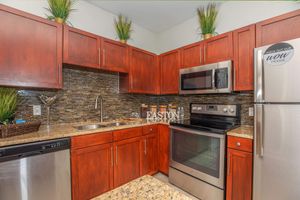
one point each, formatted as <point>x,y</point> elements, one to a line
<point>92,19</point>
<point>232,15</point>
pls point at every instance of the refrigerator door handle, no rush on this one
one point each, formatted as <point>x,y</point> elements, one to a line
<point>259,76</point>
<point>259,129</point>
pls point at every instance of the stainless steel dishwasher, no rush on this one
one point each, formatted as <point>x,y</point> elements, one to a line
<point>36,171</point>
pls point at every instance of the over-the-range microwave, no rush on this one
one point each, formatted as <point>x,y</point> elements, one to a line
<point>211,78</point>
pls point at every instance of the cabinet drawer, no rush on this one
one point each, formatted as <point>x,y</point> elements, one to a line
<point>82,141</point>
<point>238,143</point>
<point>127,133</point>
<point>149,129</point>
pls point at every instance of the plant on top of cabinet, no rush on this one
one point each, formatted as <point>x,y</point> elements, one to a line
<point>60,10</point>
<point>8,104</point>
<point>207,20</point>
<point>123,28</point>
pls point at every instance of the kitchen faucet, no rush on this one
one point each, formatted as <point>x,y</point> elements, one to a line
<point>101,106</point>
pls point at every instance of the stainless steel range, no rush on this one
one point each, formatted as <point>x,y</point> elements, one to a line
<point>197,150</point>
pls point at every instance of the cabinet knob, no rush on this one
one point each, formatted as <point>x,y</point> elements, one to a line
<point>238,144</point>
<point>150,129</point>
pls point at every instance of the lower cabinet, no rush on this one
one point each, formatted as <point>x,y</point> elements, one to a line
<point>92,171</point>
<point>163,148</point>
<point>149,154</point>
<point>127,161</point>
<point>239,170</point>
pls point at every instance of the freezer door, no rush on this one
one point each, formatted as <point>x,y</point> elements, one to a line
<point>276,152</point>
<point>277,72</point>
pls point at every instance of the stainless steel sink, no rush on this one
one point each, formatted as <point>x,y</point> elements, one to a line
<point>116,124</point>
<point>90,127</point>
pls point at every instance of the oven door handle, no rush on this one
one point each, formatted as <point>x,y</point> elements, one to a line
<point>197,132</point>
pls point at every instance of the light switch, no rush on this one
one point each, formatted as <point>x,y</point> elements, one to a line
<point>37,110</point>
<point>251,112</point>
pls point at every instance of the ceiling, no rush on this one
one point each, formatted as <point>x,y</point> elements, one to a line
<point>155,16</point>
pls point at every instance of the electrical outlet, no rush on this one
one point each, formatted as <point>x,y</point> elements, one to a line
<point>37,110</point>
<point>251,112</point>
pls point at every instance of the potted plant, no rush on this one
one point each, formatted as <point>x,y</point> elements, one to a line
<point>207,20</point>
<point>60,10</point>
<point>123,28</point>
<point>8,104</point>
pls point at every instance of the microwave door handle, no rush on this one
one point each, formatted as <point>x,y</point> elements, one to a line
<point>213,82</point>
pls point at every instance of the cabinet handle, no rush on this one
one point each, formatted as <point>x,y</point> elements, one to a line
<point>204,55</point>
<point>103,56</point>
<point>116,155</point>
<point>228,166</point>
<point>112,156</point>
<point>200,55</point>
<point>99,56</point>
<point>145,143</point>
<point>238,144</point>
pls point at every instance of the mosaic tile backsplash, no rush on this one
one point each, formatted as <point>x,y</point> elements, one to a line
<point>76,101</point>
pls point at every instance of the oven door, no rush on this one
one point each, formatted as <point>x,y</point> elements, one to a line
<point>199,154</point>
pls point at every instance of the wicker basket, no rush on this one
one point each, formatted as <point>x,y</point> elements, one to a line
<point>19,129</point>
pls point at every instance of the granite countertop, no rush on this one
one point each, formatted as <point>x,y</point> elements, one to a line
<point>144,188</point>
<point>69,130</point>
<point>243,131</point>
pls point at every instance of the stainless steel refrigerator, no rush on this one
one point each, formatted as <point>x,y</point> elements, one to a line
<point>277,122</point>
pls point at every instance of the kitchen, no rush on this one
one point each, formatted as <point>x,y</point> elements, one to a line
<point>88,91</point>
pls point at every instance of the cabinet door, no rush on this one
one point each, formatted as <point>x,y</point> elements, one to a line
<point>114,56</point>
<point>239,175</point>
<point>163,148</point>
<point>148,154</point>
<point>30,49</point>
<point>169,72</point>
<point>81,48</point>
<point>92,171</point>
<point>144,73</point>
<point>127,161</point>
<point>244,44</point>
<point>277,29</point>
<point>192,55</point>
<point>218,48</point>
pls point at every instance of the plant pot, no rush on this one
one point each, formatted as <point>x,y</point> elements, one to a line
<point>207,35</point>
<point>59,20</point>
<point>123,41</point>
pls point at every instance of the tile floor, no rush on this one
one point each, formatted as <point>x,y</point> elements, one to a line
<point>165,179</point>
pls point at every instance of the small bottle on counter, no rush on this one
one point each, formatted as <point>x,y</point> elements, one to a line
<point>144,110</point>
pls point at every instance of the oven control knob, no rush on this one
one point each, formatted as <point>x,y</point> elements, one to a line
<point>231,110</point>
<point>225,110</point>
<point>199,108</point>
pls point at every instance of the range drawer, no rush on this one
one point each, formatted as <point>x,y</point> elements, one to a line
<point>242,144</point>
<point>127,133</point>
<point>82,141</point>
<point>150,129</point>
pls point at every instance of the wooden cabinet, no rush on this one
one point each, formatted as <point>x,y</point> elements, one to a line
<point>92,171</point>
<point>81,48</point>
<point>218,48</point>
<point>239,169</point>
<point>244,44</point>
<point>114,56</point>
<point>277,29</point>
<point>192,55</point>
<point>143,73</point>
<point>31,50</point>
<point>163,148</point>
<point>169,72</point>
<point>127,161</point>
<point>149,154</point>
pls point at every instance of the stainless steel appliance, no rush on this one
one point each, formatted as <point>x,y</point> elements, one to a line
<point>36,171</point>
<point>197,150</point>
<point>211,78</point>
<point>277,122</point>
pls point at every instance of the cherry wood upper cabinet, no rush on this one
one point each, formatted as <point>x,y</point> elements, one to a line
<point>163,148</point>
<point>277,29</point>
<point>192,55</point>
<point>92,171</point>
<point>149,154</point>
<point>244,44</point>
<point>218,48</point>
<point>31,50</point>
<point>143,73</point>
<point>239,175</point>
<point>81,48</point>
<point>127,161</point>
<point>114,56</point>
<point>169,72</point>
